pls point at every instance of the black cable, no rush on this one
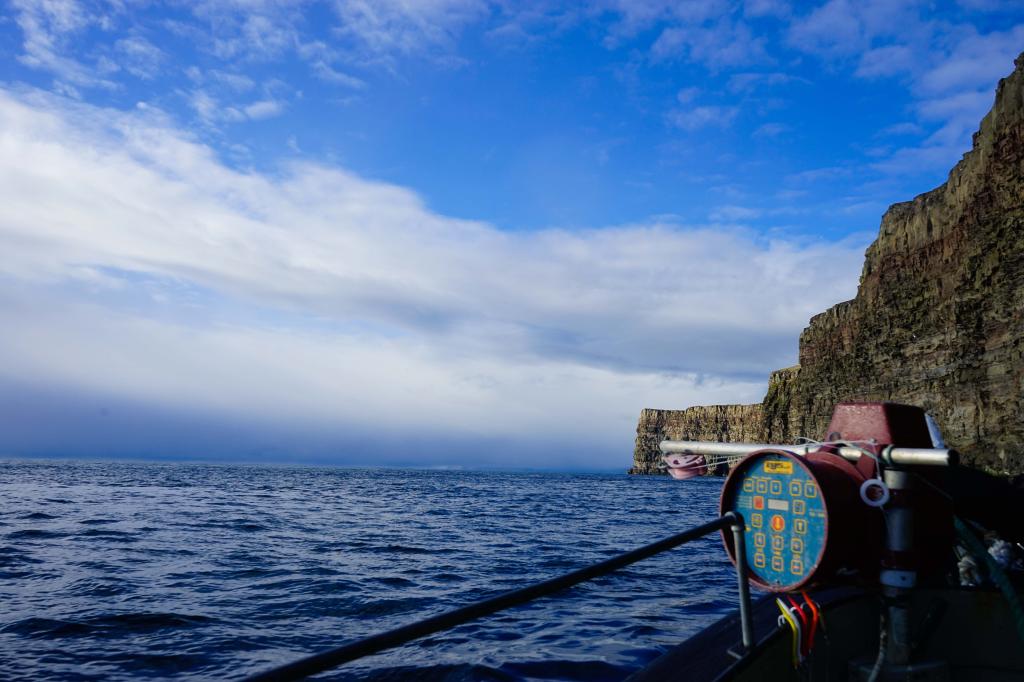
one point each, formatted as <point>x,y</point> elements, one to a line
<point>883,645</point>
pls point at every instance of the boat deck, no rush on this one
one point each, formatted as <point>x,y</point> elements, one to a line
<point>971,629</point>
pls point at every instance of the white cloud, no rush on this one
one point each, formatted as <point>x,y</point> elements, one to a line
<point>734,213</point>
<point>904,128</point>
<point>139,57</point>
<point>773,129</point>
<point>703,117</point>
<point>951,68</point>
<point>831,28</point>
<point>687,95</point>
<point>818,174</point>
<point>720,45</point>
<point>848,27</point>
<point>766,8</point>
<point>890,60</point>
<point>953,93</point>
<point>47,27</point>
<point>749,81</point>
<point>976,62</point>
<point>985,5</point>
<point>267,108</point>
<point>210,111</point>
<point>385,29</point>
<point>634,16</point>
<point>139,265</point>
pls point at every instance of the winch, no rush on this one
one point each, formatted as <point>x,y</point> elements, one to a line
<point>817,510</point>
<point>847,509</point>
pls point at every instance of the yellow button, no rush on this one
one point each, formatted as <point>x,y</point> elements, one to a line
<point>796,566</point>
<point>795,488</point>
<point>800,526</point>
<point>777,543</point>
<point>777,563</point>
<point>810,490</point>
<point>776,487</point>
<point>799,506</point>
<point>756,520</point>
<point>762,486</point>
<point>797,546</point>
<point>759,539</point>
<point>748,485</point>
<point>759,560</point>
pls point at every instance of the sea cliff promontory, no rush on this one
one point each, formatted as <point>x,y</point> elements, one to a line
<point>938,319</point>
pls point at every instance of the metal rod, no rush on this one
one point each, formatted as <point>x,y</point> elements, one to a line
<point>405,634</point>
<point>740,549</point>
<point>892,454</point>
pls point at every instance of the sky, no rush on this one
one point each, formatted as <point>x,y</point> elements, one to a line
<point>470,233</point>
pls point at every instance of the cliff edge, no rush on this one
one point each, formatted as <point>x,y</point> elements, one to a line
<point>938,319</point>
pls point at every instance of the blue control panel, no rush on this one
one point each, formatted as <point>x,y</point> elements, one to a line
<point>785,518</point>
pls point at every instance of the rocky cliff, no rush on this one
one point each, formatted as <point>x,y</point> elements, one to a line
<point>713,422</point>
<point>938,320</point>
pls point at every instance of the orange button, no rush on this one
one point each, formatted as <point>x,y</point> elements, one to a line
<point>758,502</point>
<point>778,523</point>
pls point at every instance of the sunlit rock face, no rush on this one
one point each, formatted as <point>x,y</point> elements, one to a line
<point>938,319</point>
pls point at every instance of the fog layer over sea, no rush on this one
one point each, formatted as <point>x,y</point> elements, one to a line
<point>124,571</point>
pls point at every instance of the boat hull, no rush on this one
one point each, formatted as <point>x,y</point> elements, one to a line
<point>682,467</point>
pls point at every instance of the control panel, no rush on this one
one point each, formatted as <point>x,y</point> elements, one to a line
<point>786,518</point>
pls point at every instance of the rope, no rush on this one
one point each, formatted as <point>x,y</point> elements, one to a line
<point>999,577</point>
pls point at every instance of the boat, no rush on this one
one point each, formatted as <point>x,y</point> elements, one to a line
<point>858,546</point>
<point>682,467</point>
<point>682,464</point>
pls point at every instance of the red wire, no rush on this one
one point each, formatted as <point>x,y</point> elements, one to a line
<point>815,616</point>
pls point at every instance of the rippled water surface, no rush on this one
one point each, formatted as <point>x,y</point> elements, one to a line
<point>118,571</point>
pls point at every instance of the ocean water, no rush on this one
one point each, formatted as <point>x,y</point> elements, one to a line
<point>122,571</point>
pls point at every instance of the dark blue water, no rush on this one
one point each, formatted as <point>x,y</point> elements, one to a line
<point>118,571</point>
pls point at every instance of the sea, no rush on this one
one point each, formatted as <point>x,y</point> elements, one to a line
<point>118,571</point>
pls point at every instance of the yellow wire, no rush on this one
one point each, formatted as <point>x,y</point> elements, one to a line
<point>796,631</point>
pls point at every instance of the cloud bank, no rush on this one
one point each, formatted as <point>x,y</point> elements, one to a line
<point>139,269</point>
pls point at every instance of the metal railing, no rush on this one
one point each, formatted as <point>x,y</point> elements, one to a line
<point>891,454</point>
<point>445,621</point>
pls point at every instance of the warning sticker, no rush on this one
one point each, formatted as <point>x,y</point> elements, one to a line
<point>778,466</point>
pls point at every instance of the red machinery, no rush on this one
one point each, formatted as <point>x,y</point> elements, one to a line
<point>815,510</point>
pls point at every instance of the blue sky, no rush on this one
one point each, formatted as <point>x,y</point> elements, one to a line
<point>446,232</point>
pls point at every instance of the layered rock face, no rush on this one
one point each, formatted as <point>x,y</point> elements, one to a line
<point>938,320</point>
<point>713,422</point>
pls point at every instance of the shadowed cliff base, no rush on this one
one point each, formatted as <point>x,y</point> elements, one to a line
<point>938,319</point>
